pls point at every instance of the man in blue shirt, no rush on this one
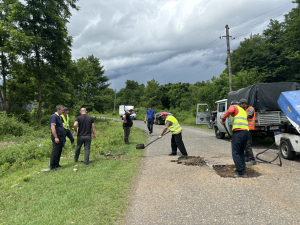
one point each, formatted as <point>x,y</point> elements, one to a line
<point>151,119</point>
<point>57,136</point>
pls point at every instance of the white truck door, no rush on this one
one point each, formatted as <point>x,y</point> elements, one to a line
<point>203,115</point>
<point>221,111</point>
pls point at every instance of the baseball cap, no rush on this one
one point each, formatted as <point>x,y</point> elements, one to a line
<point>243,100</point>
<point>66,109</point>
<point>234,102</point>
<point>164,114</point>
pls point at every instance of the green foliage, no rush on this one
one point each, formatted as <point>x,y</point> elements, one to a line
<point>10,125</point>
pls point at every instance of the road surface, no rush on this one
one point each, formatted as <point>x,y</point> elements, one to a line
<point>171,193</point>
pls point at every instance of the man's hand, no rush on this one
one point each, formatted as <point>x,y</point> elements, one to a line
<point>154,120</point>
<point>144,121</point>
<point>159,136</point>
<point>221,121</point>
<point>75,133</point>
<point>94,136</point>
<point>56,140</point>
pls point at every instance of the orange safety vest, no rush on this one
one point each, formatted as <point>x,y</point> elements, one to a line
<point>251,122</point>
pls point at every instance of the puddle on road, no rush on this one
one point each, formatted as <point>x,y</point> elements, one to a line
<point>228,171</point>
<point>191,161</point>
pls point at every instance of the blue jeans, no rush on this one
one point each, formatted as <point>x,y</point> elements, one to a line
<point>150,125</point>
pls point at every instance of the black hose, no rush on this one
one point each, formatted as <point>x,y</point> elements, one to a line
<point>265,161</point>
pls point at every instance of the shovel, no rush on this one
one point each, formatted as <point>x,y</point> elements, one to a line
<point>227,131</point>
<point>142,146</point>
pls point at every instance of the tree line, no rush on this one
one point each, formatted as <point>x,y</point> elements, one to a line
<point>35,61</point>
<point>37,70</point>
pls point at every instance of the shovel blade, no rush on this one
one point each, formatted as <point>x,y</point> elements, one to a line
<point>140,146</point>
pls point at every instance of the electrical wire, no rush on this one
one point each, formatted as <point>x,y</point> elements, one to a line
<point>187,60</point>
<point>260,15</point>
<point>201,71</point>
<point>189,68</point>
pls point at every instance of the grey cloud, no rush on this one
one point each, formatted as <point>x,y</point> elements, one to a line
<point>138,39</point>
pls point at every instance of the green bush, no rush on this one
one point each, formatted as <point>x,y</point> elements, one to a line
<point>10,125</point>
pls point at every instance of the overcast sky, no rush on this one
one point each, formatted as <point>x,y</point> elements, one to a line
<point>166,40</point>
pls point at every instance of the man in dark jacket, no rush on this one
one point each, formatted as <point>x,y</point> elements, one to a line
<point>127,124</point>
<point>57,137</point>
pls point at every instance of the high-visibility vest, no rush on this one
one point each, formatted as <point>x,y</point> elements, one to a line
<point>251,122</point>
<point>175,128</point>
<point>66,122</point>
<point>240,121</point>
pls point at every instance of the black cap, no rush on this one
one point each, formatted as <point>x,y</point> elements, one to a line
<point>66,109</point>
<point>243,100</point>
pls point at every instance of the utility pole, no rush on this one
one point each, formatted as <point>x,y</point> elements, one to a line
<point>115,101</point>
<point>228,56</point>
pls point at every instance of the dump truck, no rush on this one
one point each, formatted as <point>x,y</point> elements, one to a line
<point>288,138</point>
<point>263,97</point>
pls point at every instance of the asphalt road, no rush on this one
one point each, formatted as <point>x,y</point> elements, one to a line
<point>171,193</point>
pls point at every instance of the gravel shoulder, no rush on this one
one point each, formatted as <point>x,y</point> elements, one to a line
<point>171,193</point>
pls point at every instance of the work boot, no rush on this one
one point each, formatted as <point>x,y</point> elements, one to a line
<point>185,157</point>
<point>240,175</point>
<point>172,154</point>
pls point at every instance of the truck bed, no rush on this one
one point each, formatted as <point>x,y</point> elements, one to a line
<point>270,118</point>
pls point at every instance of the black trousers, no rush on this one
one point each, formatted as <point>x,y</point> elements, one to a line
<point>248,150</point>
<point>176,142</point>
<point>86,140</point>
<point>56,152</point>
<point>239,142</point>
<point>126,134</point>
<point>69,135</point>
<point>150,125</point>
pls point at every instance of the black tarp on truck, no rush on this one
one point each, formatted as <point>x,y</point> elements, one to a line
<point>263,97</point>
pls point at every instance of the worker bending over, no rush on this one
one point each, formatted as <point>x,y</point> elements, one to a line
<point>240,130</point>
<point>249,157</point>
<point>176,141</point>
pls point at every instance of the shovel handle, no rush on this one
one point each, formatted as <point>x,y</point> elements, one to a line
<point>156,139</point>
<point>227,131</point>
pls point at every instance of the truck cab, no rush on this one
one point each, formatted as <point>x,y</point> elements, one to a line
<point>204,115</point>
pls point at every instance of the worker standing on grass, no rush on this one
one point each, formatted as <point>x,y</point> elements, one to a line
<point>176,141</point>
<point>240,130</point>
<point>85,125</point>
<point>127,124</point>
<point>57,137</point>
<point>151,119</point>
<point>249,157</point>
<point>66,123</point>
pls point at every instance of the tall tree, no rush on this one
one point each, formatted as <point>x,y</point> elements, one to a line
<point>43,22</point>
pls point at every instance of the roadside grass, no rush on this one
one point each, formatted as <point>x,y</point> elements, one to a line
<point>96,194</point>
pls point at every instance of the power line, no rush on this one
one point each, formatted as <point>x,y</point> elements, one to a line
<point>261,14</point>
<point>201,71</point>
<point>186,60</point>
<point>189,68</point>
<point>260,22</point>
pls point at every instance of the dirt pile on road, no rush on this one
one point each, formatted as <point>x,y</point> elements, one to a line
<point>228,171</point>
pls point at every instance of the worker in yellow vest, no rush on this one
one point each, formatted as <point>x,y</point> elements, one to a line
<point>66,124</point>
<point>176,141</point>
<point>240,130</point>
<point>249,157</point>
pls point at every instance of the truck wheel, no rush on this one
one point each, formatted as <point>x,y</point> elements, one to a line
<point>158,122</point>
<point>286,149</point>
<point>219,134</point>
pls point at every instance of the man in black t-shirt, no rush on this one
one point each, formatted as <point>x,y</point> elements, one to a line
<point>127,123</point>
<point>86,125</point>
<point>57,137</point>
